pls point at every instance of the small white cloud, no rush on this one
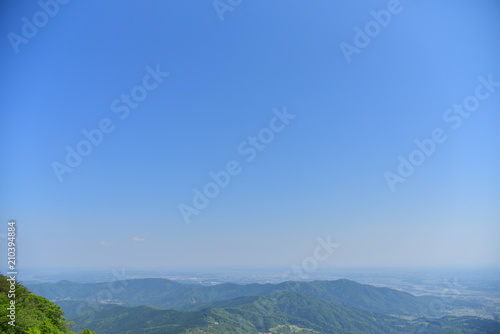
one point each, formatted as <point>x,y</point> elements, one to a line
<point>104,243</point>
<point>138,239</point>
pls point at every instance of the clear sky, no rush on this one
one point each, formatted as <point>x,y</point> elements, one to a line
<point>358,94</point>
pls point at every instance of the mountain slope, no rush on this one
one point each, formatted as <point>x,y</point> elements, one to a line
<point>115,319</point>
<point>292,308</point>
<point>343,291</point>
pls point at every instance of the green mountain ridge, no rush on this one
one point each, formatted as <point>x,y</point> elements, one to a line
<point>167,294</point>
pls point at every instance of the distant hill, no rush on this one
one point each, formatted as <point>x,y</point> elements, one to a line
<point>167,294</point>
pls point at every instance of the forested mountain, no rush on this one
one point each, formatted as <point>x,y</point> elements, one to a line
<point>163,306</point>
<point>290,312</point>
<point>167,294</point>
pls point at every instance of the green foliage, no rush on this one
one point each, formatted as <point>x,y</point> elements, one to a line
<point>87,331</point>
<point>33,314</point>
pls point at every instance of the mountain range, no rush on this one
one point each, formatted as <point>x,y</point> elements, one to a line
<point>341,306</point>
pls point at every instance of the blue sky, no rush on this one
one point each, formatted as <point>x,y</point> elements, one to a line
<point>322,175</point>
